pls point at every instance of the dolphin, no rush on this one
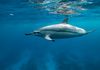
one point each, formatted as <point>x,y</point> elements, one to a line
<point>59,31</point>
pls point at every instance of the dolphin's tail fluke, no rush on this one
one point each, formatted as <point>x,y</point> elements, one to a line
<point>91,31</point>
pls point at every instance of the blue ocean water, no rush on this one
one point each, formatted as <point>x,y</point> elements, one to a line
<point>18,52</point>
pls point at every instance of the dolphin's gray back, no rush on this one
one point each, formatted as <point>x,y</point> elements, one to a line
<point>59,28</point>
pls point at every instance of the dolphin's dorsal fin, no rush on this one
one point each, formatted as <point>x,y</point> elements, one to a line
<point>65,21</point>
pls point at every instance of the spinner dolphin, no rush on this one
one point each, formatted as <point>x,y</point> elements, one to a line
<point>62,30</point>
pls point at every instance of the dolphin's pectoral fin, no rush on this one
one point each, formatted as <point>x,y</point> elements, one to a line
<point>47,37</point>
